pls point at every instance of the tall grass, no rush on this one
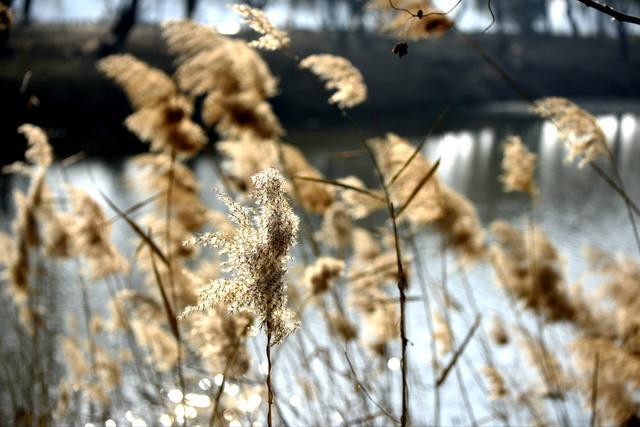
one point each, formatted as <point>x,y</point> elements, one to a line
<point>302,300</point>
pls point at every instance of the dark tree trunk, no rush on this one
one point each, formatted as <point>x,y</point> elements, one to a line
<point>623,41</point>
<point>120,30</point>
<point>258,4</point>
<point>190,8</point>
<point>571,18</point>
<point>356,15</point>
<point>26,12</point>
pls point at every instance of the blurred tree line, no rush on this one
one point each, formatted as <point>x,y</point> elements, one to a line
<point>512,16</point>
<point>526,17</point>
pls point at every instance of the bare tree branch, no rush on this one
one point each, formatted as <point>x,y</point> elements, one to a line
<point>608,10</point>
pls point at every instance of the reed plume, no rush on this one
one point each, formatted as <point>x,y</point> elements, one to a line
<point>218,339</point>
<point>272,38</point>
<point>578,129</point>
<point>496,383</point>
<point>245,158</point>
<point>163,115</point>
<point>518,167</point>
<point>91,232</point>
<point>339,74</point>
<point>432,202</point>
<point>392,153</point>
<point>319,276</point>
<point>428,21</point>
<point>359,205</point>
<point>618,377</point>
<point>257,254</point>
<point>150,176</point>
<point>336,229</point>
<point>460,226</point>
<point>529,268</point>
<point>234,79</point>
<point>31,209</point>
<point>498,333</point>
<point>6,18</point>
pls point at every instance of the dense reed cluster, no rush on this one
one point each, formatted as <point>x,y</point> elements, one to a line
<point>300,299</point>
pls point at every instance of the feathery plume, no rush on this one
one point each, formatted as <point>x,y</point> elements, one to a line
<point>272,38</point>
<point>382,324</point>
<point>392,153</point>
<point>6,17</point>
<point>91,230</point>
<point>235,80</point>
<point>336,228</point>
<point>461,226</point>
<point>618,378</point>
<point>498,333</point>
<point>152,172</point>
<point>359,205</point>
<point>245,158</point>
<point>219,340</point>
<point>339,74</point>
<point>313,196</point>
<point>428,20</point>
<point>365,246</point>
<point>257,254</point>
<point>621,280</point>
<point>496,384</point>
<point>555,381</point>
<point>518,166</point>
<point>342,326</point>
<point>144,85</point>
<point>579,129</point>
<point>39,151</point>
<point>31,208</point>
<point>160,343</point>
<point>319,276</point>
<point>442,334</point>
<point>529,268</point>
<point>163,115</point>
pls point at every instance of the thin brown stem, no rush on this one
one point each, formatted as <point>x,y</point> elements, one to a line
<point>454,359</point>
<point>419,147</point>
<point>269,386</point>
<point>402,286</point>
<point>366,392</point>
<point>594,391</point>
<point>418,186</point>
<point>340,184</point>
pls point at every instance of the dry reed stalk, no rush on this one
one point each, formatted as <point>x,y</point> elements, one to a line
<point>366,392</point>
<point>326,69</point>
<point>594,391</point>
<point>456,355</point>
<point>427,299</point>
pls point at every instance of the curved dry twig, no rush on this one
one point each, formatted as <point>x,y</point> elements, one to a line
<point>493,17</point>
<point>401,9</point>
